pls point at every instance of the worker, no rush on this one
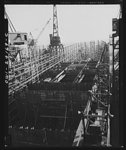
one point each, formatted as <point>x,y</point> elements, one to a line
<point>94,88</point>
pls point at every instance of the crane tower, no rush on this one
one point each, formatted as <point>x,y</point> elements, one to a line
<point>55,42</point>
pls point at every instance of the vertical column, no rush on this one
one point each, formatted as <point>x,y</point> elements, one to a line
<point>110,56</point>
<point>85,53</point>
<point>97,50</point>
<point>76,50</point>
<point>5,82</point>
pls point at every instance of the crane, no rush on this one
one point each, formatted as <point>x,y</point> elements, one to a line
<point>54,38</point>
<point>13,52</point>
<point>10,23</point>
<point>33,41</point>
<point>55,42</point>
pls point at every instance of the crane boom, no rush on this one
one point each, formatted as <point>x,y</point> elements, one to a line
<point>43,29</point>
<point>10,23</point>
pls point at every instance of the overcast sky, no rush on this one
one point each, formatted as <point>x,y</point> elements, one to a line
<point>76,22</point>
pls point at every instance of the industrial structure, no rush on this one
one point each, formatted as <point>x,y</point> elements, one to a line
<point>62,95</point>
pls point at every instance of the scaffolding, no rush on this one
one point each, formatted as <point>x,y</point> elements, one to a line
<point>30,67</point>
